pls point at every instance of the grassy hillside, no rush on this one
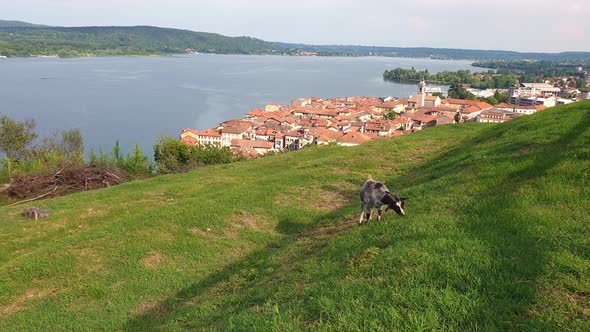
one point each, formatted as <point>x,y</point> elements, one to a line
<point>496,237</point>
<point>25,41</point>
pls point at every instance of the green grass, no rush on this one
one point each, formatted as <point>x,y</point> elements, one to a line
<point>496,237</point>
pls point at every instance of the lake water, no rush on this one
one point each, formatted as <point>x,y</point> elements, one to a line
<point>138,99</point>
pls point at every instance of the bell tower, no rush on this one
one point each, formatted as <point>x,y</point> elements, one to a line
<point>421,96</point>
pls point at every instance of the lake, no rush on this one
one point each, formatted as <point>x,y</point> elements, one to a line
<point>138,99</point>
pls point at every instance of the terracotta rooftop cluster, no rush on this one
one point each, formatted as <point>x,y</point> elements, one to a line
<point>343,121</point>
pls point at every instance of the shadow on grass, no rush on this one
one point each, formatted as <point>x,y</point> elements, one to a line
<point>508,288</point>
<point>238,281</point>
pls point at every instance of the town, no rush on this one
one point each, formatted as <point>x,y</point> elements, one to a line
<point>354,120</point>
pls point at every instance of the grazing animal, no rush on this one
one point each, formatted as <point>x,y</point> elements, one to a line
<point>375,195</point>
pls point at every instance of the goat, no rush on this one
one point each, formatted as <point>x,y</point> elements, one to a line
<point>375,195</point>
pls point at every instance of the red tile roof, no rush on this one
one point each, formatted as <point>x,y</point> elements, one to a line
<point>189,140</point>
<point>210,133</point>
<point>256,144</point>
<point>355,137</point>
<point>189,130</point>
<point>236,127</point>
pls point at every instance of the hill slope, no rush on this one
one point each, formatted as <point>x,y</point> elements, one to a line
<point>19,24</point>
<point>496,237</point>
<point>135,40</point>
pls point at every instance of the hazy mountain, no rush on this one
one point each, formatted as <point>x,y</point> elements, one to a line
<point>19,24</point>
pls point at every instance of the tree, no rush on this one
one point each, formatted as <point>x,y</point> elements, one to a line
<point>171,155</point>
<point>16,139</point>
<point>390,116</point>
<point>72,143</point>
<point>456,91</point>
<point>580,83</point>
<point>137,164</point>
<point>116,154</point>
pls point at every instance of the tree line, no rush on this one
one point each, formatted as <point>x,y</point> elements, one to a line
<point>488,80</point>
<point>143,40</point>
<point>25,155</point>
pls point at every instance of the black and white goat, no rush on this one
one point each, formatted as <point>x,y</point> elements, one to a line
<point>375,195</point>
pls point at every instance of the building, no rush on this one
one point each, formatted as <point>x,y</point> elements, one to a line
<point>495,115</point>
<point>189,136</point>
<point>353,138</point>
<point>210,136</point>
<point>234,129</point>
<point>533,90</point>
<point>423,98</point>
<point>532,109</point>
<point>261,147</point>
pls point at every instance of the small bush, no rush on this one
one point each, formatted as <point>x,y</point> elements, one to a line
<point>174,156</point>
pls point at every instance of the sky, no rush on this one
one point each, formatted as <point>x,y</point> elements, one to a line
<point>518,25</point>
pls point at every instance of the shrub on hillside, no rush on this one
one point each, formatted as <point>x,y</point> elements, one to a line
<point>173,156</point>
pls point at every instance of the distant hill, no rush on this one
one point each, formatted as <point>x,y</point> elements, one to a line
<point>19,24</point>
<point>137,40</point>
<point>437,53</point>
<point>18,39</point>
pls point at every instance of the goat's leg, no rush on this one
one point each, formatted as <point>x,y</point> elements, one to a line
<point>369,215</point>
<point>362,213</point>
<point>379,211</point>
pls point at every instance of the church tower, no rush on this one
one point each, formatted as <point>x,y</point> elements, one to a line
<point>421,96</point>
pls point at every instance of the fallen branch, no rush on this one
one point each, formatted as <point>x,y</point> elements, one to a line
<point>31,199</point>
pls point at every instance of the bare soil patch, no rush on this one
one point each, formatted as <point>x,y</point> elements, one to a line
<point>153,260</point>
<point>318,198</point>
<point>151,309</point>
<point>20,303</point>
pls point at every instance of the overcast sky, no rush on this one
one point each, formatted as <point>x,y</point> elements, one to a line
<point>521,25</point>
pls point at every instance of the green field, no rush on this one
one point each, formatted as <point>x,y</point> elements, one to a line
<point>496,237</point>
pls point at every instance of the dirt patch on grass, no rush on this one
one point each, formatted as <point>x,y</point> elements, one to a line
<point>330,200</point>
<point>241,221</point>
<point>90,260</point>
<point>252,221</point>
<point>325,199</point>
<point>329,230</point>
<point>20,303</point>
<point>151,309</point>
<point>247,220</point>
<point>92,212</point>
<point>202,232</point>
<point>153,260</point>
<point>582,302</point>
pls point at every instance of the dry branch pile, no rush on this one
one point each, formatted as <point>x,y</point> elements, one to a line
<point>67,180</point>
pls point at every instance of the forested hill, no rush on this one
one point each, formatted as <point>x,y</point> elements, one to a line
<point>137,40</point>
<point>19,24</point>
<point>435,53</point>
<point>22,39</point>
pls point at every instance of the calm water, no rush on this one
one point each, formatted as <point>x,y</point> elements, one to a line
<point>138,99</point>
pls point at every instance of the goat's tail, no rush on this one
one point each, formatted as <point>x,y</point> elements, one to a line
<point>369,178</point>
